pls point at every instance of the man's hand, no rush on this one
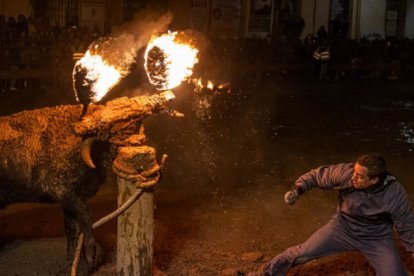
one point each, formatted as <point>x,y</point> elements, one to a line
<point>291,196</point>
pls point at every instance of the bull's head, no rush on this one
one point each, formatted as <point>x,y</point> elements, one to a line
<point>120,121</point>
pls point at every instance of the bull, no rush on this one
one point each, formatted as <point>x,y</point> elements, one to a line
<point>47,156</point>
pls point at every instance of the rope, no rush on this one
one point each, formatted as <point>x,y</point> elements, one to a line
<point>119,211</point>
<point>103,220</point>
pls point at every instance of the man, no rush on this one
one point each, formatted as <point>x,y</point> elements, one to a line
<point>322,57</point>
<point>371,202</point>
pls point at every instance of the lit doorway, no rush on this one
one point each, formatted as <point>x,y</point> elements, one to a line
<point>339,18</point>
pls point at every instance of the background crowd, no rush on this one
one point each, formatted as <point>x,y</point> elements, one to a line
<point>371,57</point>
<point>32,47</point>
<point>34,53</point>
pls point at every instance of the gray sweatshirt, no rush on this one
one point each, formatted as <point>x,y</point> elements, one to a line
<point>365,214</point>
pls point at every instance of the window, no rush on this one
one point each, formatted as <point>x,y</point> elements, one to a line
<point>395,18</point>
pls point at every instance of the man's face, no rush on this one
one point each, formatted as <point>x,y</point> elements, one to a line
<point>361,179</point>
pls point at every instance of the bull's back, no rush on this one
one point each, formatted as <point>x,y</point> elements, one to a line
<point>38,149</point>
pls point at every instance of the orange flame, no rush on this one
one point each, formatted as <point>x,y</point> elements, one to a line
<point>99,75</point>
<point>168,61</point>
<point>200,85</point>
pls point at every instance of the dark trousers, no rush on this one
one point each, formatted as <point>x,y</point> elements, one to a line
<point>382,254</point>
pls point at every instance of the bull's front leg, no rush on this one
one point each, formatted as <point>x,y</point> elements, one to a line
<point>72,235</point>
<point>79,217</point>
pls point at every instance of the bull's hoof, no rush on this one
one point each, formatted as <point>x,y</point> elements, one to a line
<point>95,260</point>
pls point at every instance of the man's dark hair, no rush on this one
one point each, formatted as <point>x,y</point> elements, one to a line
<point>375,164</point>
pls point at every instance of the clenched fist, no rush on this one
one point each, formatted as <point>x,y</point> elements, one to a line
<point>291,196</point>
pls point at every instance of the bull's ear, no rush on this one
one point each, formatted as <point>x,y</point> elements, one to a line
<point>85,150</point>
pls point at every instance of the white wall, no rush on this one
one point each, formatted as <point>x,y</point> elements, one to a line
<point>354,24</point>
<point>312,23</point>
<point>409,20</point>
<point>372,18</point>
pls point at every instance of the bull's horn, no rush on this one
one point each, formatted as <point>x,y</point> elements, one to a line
<point>85,149</point>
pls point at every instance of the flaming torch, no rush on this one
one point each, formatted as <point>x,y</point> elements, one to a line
<point>93,78</point>
<point>169,60</point>
<point>200,86</point>
<point>100,69</point>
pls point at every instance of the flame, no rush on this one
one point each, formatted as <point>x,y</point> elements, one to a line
<point>99,77</point>
<point>209,86</point>
<point>168,61</point>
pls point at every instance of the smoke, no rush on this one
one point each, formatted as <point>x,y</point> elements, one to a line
<point>120,48</point>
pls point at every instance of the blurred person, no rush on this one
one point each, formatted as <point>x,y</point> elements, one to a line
<point>32,28</point>
<point>322,57</point>
<point>73,22</point>
<point>337,29</point>
<point>107,28</point>
<point>393,58</point>
<point>3,26</point>
<point>22,26</point>
<point>96,32</point>
<point>371,202</point>
<point>322,33</point>
<point>78,49</point>
<point>293,26</point>
<point>309,43</point>
<point>11,27</point>
<point>44,29</point>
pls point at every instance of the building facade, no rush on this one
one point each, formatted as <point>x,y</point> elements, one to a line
<point>237,18</point>
<point>360,18</point>
<point>268,18</point>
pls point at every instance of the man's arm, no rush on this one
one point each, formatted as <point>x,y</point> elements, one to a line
<point>402,216</point>
<point>324,177</point>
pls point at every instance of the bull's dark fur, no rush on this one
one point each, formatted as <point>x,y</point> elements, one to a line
<point>40,161</point>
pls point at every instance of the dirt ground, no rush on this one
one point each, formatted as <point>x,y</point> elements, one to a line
<point>219,208</point>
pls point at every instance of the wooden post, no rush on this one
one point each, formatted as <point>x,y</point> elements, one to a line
<point>135,231</point>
